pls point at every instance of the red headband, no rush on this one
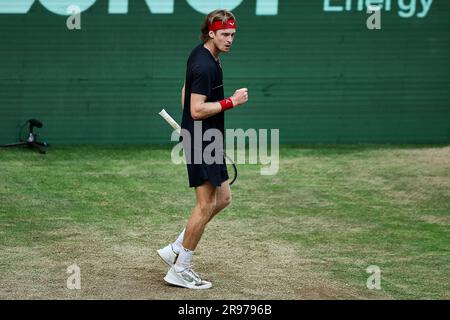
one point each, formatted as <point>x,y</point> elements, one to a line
<point>218,25</point>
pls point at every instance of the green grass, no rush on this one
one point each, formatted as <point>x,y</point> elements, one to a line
<point>345,207</point>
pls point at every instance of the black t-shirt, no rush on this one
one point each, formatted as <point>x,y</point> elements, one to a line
<point>203,76</point>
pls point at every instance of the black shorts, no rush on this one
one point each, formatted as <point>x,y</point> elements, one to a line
<point>214,173</point>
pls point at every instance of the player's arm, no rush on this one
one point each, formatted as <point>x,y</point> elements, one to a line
<point>200,109</point>
<point>182,96</point>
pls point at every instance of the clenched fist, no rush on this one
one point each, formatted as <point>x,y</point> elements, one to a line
<point>240,96</point>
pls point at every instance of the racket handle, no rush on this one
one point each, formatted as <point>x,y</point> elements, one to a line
<point>163,113</point>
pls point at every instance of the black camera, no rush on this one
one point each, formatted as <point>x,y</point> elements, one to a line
<point>31,141</point>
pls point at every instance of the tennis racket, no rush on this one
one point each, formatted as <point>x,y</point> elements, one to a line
<point>229,162</point>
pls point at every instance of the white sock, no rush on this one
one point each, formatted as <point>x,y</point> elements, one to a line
<point>176,246</point>
<point>184,260</point>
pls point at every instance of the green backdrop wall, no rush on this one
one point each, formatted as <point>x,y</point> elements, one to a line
<point>313,68</point>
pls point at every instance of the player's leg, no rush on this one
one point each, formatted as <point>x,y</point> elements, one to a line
<point>204,208</point>
<point>181,273</point>
<point>223,198</point>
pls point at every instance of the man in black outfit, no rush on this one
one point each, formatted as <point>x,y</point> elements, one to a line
<point>204,105</point>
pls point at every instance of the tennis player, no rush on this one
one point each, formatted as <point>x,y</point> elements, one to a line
<point>203,103</point>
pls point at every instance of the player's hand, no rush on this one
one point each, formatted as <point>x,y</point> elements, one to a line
<point>240,96</point>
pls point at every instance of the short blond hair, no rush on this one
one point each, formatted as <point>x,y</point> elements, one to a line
<point>217,15</point>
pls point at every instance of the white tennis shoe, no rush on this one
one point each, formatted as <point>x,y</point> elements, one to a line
<point>168,255</point>
<point>187,279</point>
